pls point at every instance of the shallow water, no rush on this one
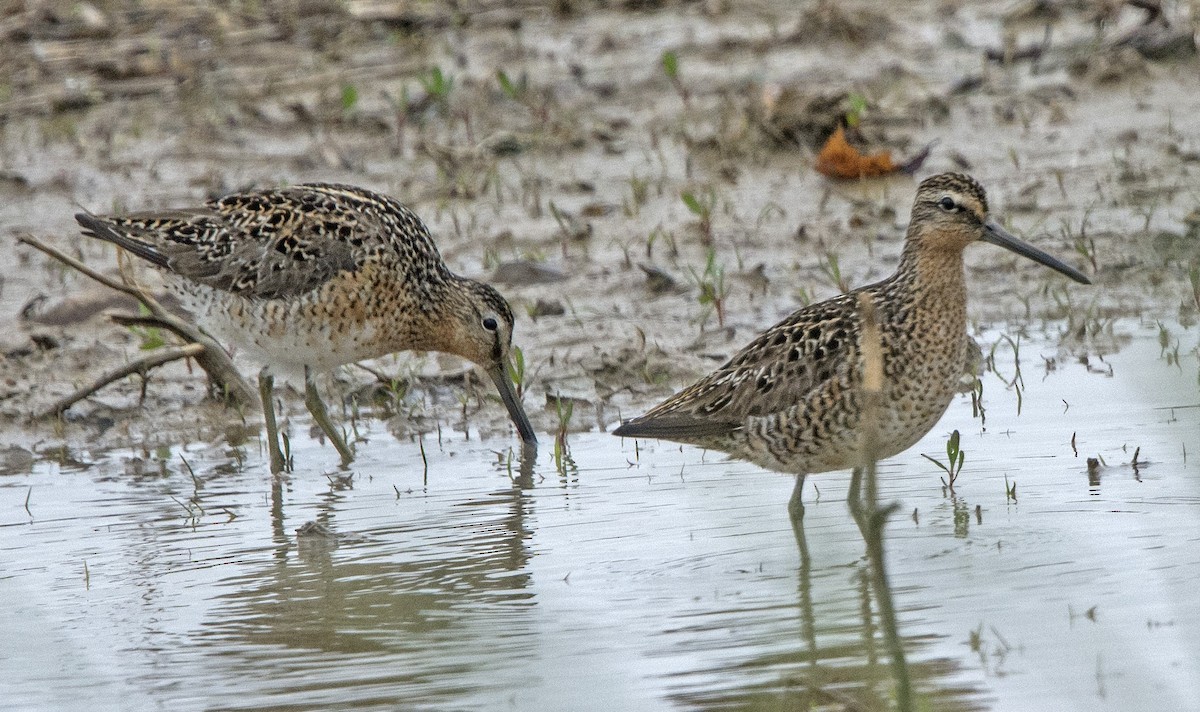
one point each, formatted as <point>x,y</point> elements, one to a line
<point>653,577</point>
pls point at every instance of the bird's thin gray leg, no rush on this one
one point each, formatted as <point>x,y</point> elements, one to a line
<point>795,504</point>
<point>854,498</point>
<point>316,406</point>
<point>266,391</point>
<point>808,622</point>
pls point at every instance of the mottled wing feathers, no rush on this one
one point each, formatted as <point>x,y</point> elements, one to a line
<point>780,369</point>
<point>131,240</point>
<point>273,244</point>
<point>680,427</point>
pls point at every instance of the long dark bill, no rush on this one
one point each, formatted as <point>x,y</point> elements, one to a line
<point>508,394</point>
<point>993,233</point>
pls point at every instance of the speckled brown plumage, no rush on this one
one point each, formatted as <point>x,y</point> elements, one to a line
<point>309,277</point>
<point>791,399</point>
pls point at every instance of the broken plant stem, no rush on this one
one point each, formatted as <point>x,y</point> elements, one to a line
<point>211,357</point>
<point>155,358</point>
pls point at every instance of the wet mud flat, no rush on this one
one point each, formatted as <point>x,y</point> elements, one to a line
<point>550,150</point>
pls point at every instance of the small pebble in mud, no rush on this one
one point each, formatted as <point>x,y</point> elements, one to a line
<point>314,529</point>
<point>1158,43</point>
<point>14,459</point>
<point>557,403</point>
<point>597,210</point>
<point>756,278</point>
<point>315,539</point>
<point>1127,136</point>
<point>45,342</point>
<point>506,145</point>
<point>12,179</point>
<point>526,272</point>
<point>546,307</point>
<point>658,281</point>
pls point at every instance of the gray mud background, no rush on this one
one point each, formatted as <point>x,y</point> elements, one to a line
<point>562,182</point>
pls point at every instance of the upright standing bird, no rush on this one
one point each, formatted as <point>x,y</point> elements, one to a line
<point>310,277</point>
<point>792,399</point>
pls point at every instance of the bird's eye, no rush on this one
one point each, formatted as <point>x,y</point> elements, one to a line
<point>490,324</point>
<point>947,203</point>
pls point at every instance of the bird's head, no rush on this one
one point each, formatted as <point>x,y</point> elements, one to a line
<point>481,331</point>
<point>951,211</point>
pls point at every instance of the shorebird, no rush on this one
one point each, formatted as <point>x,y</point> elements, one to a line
<point>310,277</point>
<point>792,399</point>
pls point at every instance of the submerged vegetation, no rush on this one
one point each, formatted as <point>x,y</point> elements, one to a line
<point>952,467</point>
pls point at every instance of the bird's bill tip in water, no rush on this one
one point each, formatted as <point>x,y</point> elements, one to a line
<point>997,235</point>
<point>508,394</point>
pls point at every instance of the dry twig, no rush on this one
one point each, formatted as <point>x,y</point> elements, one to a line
<point>155,358</point>
<point>210,356</point>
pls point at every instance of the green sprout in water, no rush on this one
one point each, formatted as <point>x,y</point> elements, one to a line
<point>562,451</point>
<point>670,65</point>
<point>858,107</point>
<point>975,639</point>
<point>437,85</point>
<point>519,91</point>
<point>639,190</point>
<point>977,409</point>
<point>1018,381</point>
<point>1194,277</point>
<point>288,462</point>
<point>955,461</point>
<point>516,370</point>
<point>511,90</point>
<point>349,97</point>
<point>831,268</point>
<point>712,286</point>
<point>702,208</point>
<point>151,336</point>
<point>653,237</point>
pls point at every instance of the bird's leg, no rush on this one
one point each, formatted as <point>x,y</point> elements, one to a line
<point>266,391</point>
<point>316,406</point>
<point>854,499</point>
<point>852,495</point>
<point>795,504</point>
<point>808,625</point>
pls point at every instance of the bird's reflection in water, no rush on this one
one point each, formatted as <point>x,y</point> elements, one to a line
<point>832,665</point>
<point>427,600</point>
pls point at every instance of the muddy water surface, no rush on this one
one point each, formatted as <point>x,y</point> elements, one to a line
<point>635,576</point>
<point>647,577</point>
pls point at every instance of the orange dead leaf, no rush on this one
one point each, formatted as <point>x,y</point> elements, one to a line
<point>838,159</point>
